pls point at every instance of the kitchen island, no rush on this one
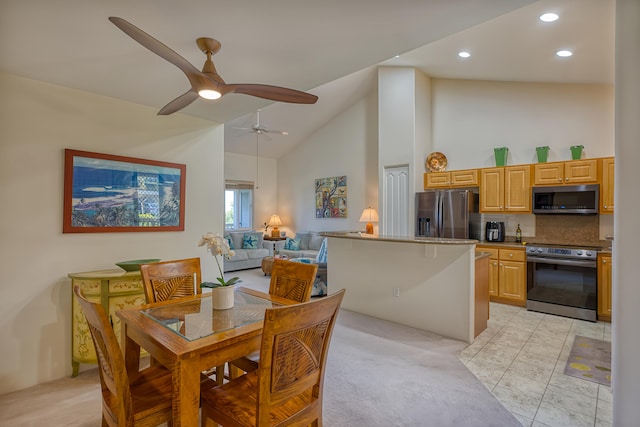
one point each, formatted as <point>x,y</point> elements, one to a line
<point>426,283</point>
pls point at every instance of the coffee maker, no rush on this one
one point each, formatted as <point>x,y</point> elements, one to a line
<point>494,231</point>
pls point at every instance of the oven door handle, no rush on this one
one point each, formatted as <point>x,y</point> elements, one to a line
<point>558,261</point>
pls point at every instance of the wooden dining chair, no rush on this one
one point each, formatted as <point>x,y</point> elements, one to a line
<point>171,279</point>
<point>287,387</point>
<point>126,401</point>
<point>291,280</point>
<point>176,279</point>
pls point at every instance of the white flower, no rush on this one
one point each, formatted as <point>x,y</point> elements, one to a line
<point>218,245</point>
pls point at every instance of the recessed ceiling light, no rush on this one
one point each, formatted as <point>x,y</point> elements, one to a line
<point>549,17</point>
<point>396,57</point>
<point>564,53</point>
<point>464,54</point>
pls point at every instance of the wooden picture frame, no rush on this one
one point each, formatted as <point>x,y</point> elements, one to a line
<point>107,193</point>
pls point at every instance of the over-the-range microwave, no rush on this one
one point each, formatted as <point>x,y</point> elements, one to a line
<point>566,199</point>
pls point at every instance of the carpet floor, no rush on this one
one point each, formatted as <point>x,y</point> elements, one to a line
<point>378,374</point>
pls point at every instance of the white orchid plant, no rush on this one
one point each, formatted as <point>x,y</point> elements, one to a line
<point>217,245</point>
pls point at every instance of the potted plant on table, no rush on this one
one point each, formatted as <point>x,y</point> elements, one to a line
<point>222,290</point>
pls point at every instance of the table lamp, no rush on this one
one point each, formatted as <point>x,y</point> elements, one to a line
<point>274,222</point>
<point>369,215</point>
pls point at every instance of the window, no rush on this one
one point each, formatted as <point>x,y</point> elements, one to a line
<point>238,205</point>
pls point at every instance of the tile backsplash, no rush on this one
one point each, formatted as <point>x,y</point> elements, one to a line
<point>580,229</point>
<point>566,229</point>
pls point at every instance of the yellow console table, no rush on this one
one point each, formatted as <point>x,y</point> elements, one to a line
<point>114,290</point>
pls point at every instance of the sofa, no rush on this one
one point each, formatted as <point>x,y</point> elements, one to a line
<point>320,283</point>
<point>305,244</point>
<point>249,248</point>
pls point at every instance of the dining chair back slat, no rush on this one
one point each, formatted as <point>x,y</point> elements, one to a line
<point>292,280</point>
<point>171,279</point>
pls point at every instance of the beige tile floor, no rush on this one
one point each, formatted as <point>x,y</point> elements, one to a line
<point>520,358</point>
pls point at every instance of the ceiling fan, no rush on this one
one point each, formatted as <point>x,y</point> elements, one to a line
<point>260,129</point>
<point>207,83</point>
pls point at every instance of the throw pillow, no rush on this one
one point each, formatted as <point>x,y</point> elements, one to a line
<point>229,241</point>
<point>322,253</point>
<point>292,244</point>
<point>315,241</point>
<point>304,240</point>
<point>250,242</point>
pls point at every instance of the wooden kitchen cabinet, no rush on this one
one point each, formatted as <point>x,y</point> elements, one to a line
<point>569,172</point>
<point>604,287</point>
<point>507,275</point>
<point>460,178</point>
<point>506,189</point>
<point>114,290</point>
<point>606,189</point>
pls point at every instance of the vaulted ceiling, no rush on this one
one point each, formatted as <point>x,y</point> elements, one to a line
<point>329,48</point>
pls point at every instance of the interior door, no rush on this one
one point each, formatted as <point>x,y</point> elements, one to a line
<point>395,201</point>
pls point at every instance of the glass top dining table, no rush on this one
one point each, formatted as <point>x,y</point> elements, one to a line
<point>188,336</point>
<point>195,319</point>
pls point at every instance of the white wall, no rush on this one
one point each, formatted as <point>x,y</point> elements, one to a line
<point>37,121</point>
<point>240,167</point>
<point>470,118</point>
<point>626,292</point>
<point>344,146</point>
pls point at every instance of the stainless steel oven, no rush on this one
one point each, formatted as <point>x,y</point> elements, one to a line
<point>562,280</point>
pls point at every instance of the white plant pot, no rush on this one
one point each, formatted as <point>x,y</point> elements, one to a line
<point>222,297</point>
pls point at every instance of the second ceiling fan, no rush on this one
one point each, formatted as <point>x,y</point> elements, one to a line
<point>207,83</point>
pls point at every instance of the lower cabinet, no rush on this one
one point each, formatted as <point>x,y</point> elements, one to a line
<point>507,275</point>
<point>604,287</point>
<point>114,290</point>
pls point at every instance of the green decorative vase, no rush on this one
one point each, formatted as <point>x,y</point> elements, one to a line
<point>576,152</point>
<point>542,153</point>
<point>501,155</point>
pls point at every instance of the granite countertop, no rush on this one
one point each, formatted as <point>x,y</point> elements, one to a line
<point>400,239</point>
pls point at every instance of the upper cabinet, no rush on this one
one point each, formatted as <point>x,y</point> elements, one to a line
<point>569,172</point>
<point>460,178</point>
<point>606,189</point>
<point>506,189</point>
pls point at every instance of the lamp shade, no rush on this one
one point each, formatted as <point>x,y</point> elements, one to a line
<point>369,215</point>
<point>274,220</point>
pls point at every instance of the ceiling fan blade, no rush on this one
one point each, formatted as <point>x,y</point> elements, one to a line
<point>274,93</point>
<point>179,103</point>
<point>155,46</point>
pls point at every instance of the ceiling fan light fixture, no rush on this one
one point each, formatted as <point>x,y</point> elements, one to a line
<point>209,94</point>
<point>549,17</point>
<point>564,53</point>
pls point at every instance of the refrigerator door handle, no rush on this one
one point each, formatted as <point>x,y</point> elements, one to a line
<point>440,215</point>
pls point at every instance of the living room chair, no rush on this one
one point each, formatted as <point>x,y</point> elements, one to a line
<point>287,387</point>
<point>291,280</point>
<point>141,401</point>
<point>176,279</point>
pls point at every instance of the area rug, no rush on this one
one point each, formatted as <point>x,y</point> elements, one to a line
<point>590,359</point>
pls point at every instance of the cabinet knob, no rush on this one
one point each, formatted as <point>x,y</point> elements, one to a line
<point>560,179</point>
<point>566,179</point>
<point>510,255</point>
<point>604,261</point>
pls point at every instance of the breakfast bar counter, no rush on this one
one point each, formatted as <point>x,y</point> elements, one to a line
<point>426,283</point>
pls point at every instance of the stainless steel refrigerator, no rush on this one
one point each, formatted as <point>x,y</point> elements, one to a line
<point>448,213</point>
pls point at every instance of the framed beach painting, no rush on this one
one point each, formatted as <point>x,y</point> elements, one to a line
<point>107,193</point>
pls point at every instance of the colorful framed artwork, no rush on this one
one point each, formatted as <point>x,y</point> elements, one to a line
<point>331,197</point>
<point>107,193</point>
